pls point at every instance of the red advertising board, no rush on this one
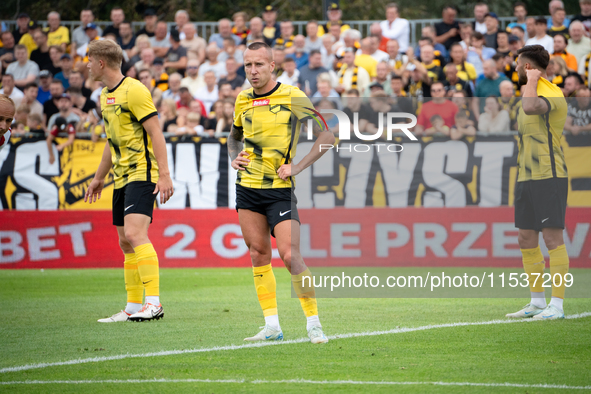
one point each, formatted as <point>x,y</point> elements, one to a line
<point>469,236</point>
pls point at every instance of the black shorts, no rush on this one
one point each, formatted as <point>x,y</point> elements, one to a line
<point>541,204</point>
<point>135,197</point>
<point>276,204</point>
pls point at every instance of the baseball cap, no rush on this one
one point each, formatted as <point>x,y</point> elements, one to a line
<point>492,15</point>
<point>513,38</point>
<point>376,85</point>
<point>66,56</point>
<point>334,7</point>
<point>90,26</point>
<point>66,96</point>
<point>22,15</point>
<point>159,61</point>
<point>149,12</point>
<point>33,25</point>
<point>270,8</point>
<point>45,74</point>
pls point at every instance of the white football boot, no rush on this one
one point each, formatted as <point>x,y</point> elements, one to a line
<point>528,311</point>
<point>117,317</point>
<point>148,312</point>
<point>316,335</point>
<point>267,333</point>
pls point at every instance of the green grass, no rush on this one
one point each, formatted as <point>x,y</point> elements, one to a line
<point>51,316</point>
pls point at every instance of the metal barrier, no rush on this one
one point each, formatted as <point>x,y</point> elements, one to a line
<point>206,29</point>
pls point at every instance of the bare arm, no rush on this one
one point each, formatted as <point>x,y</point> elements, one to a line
<point>95,188</point>
<point>179,64</point>
<point>20,83</point>
<point>164,184</point>
<point>70,141</point>
<point>49,141</point>
<point>160,51</point>
<point>325,139</point>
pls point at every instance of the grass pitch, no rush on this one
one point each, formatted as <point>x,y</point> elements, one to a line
<point>50,316</point>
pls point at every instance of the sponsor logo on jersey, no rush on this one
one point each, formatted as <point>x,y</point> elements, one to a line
<point>111,100</point>
<point>258,103</point>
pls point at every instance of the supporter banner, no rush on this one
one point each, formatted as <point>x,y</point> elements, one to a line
<point>472,237</point>
<point>433,172</point>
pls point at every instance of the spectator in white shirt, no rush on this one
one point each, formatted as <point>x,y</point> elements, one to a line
<point>212,63</point>
<point>376,53</point>
<point>395,27</point>
<point>193,81</point>
<point>541,38</point>
<point>174,85</point>
<point>23,70</point>
<point>290,73</point>
<point>326,51</point>
<point>494,119</point>
<point>480,10</point>
<point>208,94</point>
<point>181,18</point>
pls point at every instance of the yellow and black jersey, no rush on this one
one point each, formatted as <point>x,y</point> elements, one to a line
<point>540,155</point>
<point>270,133</point>
<point>512,106</point>
<point>554,31</point>
<point>124,110</point>
<point>325,29</point>
<point>282,43</point>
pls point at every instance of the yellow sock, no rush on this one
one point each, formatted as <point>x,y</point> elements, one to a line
<point>558,265</point>
<point>266,286</point>
<point>304,289</point>
<point>133,283</point>
<point>534,263</point>
<point>147,264</point>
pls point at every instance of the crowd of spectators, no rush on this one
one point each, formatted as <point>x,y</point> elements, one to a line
<point>459,78</point>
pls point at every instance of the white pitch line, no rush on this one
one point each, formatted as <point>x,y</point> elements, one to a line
<point>295,381</point>
<point>263,344</point>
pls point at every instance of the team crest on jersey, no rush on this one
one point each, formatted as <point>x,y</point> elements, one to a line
<point>118,110</point>
<point>111,100</point>
<point>258,103</point>
<point>275,109</point>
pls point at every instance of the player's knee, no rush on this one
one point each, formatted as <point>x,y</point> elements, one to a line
<point>124,244</point>
<point>526,241</point>
<point>553,240</point>
<point>259,253</point>
<point>286,257</point>
<point>133,236</point>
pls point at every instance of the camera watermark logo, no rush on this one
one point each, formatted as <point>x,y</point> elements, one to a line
<point>388,124</point>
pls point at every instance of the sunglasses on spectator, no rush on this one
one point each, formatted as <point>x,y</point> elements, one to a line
<point>436,90</point>
<point>191,67</point>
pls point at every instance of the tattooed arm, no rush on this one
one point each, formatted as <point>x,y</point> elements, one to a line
<point>235,149</point>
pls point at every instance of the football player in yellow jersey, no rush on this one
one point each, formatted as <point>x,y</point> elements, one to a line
<point>136,150</point>
<point>264,188</point>
<point>542,183</point>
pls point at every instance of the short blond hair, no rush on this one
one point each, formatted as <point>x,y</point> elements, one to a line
<point>7,99</point>
<point>108,51</point>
